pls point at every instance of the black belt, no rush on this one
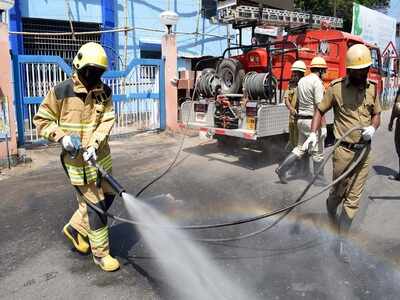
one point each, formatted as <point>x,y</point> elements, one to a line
<point>304,117</point>
<point>355,146</point>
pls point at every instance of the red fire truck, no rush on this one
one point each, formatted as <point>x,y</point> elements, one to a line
<point>242,95</point>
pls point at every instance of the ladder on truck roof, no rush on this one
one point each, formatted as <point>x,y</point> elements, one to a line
<point>243,14</point>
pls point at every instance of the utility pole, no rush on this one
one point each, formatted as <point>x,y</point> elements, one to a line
<point>125,45</point>
<point>126,34</point>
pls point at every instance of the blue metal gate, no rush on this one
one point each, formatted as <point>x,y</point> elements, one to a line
<point>138,92</point>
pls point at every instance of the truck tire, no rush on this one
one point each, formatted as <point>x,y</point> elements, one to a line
<point>231,73</point>
<point>208,70</point>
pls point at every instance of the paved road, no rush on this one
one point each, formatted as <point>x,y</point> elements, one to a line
<point>208,185</point>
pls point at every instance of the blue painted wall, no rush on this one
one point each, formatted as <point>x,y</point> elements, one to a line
<point>82,10</point>
<point>141,13</point>
<point>146,13</point>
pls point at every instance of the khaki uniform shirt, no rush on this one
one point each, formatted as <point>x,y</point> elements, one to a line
<point>310,91</point>
<point>69,109</point>
<point>352,106</point>
<point>291,95</point>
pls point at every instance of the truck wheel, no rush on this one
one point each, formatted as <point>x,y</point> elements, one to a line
<point>208,70</point>
<point>231,73</point>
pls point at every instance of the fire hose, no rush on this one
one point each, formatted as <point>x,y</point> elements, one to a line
<point>361,154</point>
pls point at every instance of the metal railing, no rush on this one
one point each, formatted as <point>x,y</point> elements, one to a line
<point>138,93</point>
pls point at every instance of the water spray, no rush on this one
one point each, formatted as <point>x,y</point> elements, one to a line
<point>120,190</point>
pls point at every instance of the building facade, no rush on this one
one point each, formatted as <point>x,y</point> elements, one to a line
<point>197,33</point>
<point>394,11</point>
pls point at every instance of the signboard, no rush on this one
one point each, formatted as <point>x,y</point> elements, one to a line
<point>269,30</point>
<point>374,27</point>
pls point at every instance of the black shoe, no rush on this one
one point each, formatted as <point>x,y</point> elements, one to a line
<point>395,177</point>
<point>284,167</point>
<point>282,176</point>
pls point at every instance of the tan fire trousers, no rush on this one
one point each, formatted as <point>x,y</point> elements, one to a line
<point>349,190</point>
<point>88,222</point>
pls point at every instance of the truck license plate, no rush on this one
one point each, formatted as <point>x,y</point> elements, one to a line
<point>251,123</point>
<point>200,117</point>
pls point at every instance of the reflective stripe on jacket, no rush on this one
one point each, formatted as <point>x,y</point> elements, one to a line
<point>69,109</point>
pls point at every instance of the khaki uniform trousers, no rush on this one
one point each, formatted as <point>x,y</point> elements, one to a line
<point>90,223</point>
<point>397,137</point>
<point>293,134</point>
<point>304,130</point>
<point>349,190</point>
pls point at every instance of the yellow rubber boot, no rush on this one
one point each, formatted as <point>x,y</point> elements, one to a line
<point>106,263</point>
<point>80,243</point>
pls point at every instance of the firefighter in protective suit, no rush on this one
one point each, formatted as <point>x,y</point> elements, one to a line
<point>355,103</point>
<point>82,106</point>
<point>310,91</point>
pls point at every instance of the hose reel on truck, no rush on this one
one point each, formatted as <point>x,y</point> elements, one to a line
<point>259,86</point>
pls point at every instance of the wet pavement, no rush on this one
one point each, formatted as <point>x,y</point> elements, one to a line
<point>208,185</point>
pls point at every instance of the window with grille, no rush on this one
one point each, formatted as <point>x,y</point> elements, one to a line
<point>63,46</point>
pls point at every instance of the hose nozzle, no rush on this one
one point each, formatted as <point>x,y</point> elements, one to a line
<point>119,189</point>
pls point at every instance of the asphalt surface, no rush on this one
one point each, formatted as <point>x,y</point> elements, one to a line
<point>208,185</point>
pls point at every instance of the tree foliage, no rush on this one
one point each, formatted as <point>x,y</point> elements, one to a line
<point>344,8</point>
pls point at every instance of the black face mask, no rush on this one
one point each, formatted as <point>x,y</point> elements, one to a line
<point>90,76</point>
<point>358,77</point>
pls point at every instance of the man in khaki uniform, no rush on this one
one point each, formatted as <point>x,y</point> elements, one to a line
<point>396,116</point>
<point>355,103</point>
<point>81,108</point>
<point>290,97</point>
<point>298,69</point>
<point>310,91</point>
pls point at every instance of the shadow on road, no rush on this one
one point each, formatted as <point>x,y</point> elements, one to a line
<point>242,155</point>
<point>384,171</point>
<point>123,237</point>
<point>373,198</point>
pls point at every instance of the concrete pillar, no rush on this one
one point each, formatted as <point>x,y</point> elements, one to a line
<point>7,95</point>
<point>170,55</point>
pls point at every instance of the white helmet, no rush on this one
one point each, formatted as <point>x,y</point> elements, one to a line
<point>299,65</point>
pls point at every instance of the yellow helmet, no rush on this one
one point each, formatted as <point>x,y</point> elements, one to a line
<point>318,62</point>
<point>358,56</point>
<point>91,54</point>
<point>299,65</point>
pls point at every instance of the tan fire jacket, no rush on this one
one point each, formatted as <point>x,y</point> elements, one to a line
<point>68,109</point>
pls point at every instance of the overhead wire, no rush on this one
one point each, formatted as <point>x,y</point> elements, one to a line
<point>118,29</point>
